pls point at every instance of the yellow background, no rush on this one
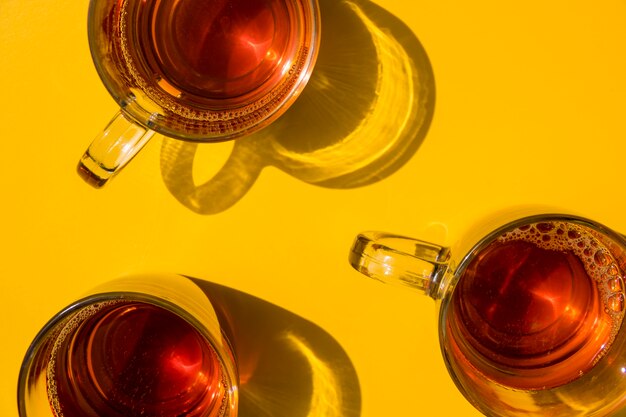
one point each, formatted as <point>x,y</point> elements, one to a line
<point>530,109</point>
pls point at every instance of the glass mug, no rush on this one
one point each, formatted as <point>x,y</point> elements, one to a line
<point>198,70</point>
<point>148,346</point>
<point>529,319</point>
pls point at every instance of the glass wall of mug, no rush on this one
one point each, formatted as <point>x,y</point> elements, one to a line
<point>137,346</point>
<point>530,316</point>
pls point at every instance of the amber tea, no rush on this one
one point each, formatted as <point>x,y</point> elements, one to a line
<point>538,306</point>
<point>208,62</point>
<point>125,359</point>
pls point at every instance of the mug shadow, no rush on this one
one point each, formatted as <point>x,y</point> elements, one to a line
<point>288,366</point>
<point>363,114</point>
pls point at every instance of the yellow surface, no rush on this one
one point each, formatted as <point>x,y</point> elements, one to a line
<point>530,109</point>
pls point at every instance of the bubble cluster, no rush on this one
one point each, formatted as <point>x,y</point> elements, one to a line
<point>67,329</point>
<point>599,262</point>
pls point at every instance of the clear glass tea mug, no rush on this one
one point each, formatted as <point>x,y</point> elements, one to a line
<point>195,70</point>
<point>148,346</point>
<point>530,313</point>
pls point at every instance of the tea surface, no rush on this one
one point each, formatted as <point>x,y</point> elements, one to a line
<point>134,359</point>
<point>539,306</point>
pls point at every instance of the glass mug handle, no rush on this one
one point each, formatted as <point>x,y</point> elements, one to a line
<point>112,149</point>
<point>401,260</point>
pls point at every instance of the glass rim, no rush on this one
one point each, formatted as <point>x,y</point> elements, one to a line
<point>225,354</point>
<point>457,269</point>
<point>310,35</point>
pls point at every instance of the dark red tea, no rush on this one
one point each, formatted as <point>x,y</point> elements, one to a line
<point>216,48</point>
<point>126,359</point>
<point>538,306</point>
<point>216,65</point>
